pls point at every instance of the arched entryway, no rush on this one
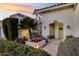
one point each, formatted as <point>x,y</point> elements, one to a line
<point>56,29</point>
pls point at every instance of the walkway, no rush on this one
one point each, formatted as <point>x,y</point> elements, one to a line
<point>52,47</point>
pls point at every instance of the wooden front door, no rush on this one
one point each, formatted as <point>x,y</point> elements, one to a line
<point>60,31</point>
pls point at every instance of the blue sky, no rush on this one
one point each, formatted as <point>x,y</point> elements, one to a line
<point>37,5</point>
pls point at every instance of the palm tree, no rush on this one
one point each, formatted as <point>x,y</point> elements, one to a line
<point>28,23</point>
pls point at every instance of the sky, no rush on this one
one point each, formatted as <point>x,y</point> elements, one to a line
<point>38,5</point>
<point>7,9</point>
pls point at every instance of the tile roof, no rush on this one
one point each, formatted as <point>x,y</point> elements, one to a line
<point>50,6</point>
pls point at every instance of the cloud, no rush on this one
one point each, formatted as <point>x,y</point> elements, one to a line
<point>16,8</point>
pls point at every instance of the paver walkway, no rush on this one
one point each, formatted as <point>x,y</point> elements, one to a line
<point>52,47</point>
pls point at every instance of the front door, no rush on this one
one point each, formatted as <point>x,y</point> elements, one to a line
<point>60,30</point>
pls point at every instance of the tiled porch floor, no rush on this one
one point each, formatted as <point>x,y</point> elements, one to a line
<point>52,47</point>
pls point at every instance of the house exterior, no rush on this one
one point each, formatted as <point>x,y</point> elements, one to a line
<point>60,20</point>
<point>21,32</point>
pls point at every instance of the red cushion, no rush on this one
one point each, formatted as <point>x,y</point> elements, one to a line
<point>36,39</point>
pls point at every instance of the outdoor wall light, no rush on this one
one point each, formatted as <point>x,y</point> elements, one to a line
<point>44,27</point>
<point>68,26</point>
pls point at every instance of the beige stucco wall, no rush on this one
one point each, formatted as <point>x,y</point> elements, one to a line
<point>76,21</point>
<point>24,33</point>
<point>66,16</point>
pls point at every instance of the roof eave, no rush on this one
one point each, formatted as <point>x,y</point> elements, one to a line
<point>52,8</point>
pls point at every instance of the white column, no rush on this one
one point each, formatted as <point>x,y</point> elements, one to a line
<point>39,19</point>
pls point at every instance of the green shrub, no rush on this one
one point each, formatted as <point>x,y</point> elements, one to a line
<point>70,47</point>
<point>12,48</point>
<point>69,36</point>
<point>10,28</point>
<point>50,36</point>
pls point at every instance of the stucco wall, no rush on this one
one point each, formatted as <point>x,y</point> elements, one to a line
<point>66,16</point>
<point>24,33</point>
<point>76,21</point>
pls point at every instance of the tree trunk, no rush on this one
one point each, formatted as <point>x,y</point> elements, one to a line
<point>30,33</point>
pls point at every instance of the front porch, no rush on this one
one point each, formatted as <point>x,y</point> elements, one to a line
<point>52,47</point>
<point>56,29</point>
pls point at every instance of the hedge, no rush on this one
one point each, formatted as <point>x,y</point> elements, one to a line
<point>10,28</point>
<point>70,47</point>
<point>12,48</point>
